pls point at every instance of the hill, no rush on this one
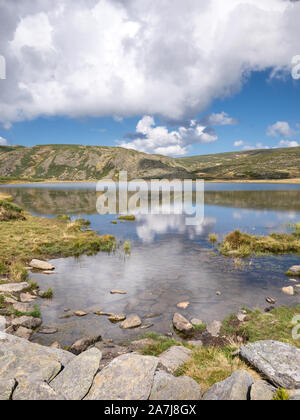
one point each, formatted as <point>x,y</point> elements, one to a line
<point>91,163</point>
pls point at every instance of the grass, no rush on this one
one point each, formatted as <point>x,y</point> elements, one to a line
<point>162,344</point>
<point>213,238</point>
<point>31,237</point>
<point>35,314</point>
<point>48,294</point>
<point>276,325</point>
<point>127,218</point>
<point>281,395</point>
<point>127,247</point>
<point>240,244</point>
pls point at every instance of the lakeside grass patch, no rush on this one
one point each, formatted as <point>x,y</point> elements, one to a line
<point>32,237</point>
<point>240,244</point>
<point>127,218</point>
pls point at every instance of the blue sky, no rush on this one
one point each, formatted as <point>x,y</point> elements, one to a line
<point>158,77</point>
<point>260,104</point>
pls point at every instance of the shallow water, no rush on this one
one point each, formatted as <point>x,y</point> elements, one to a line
<point>169,262</point>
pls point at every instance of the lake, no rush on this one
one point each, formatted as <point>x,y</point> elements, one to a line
<point>169,262</point>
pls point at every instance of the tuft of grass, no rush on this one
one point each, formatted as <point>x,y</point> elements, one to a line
<point>18,272</point>
<point>127,247</point>
<point>213,238</point>
<point>281,395</point>
<point>201,327</point>
<point>162,344</point>
<point>35,314</point>
<point>129,218</point>
<point>48,294</point>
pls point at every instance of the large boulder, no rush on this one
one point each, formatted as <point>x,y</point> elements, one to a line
<point>75,381</point>
<point>166,387</point>
<point>182,324</point>
<point>235,388</point>
<point>278,362</point>
<point>41,265</point>
<point>84,343</point>
<point>13,287</point>
<point>23,307</point>
<point>21,360</point>
<point>128,377</point>
<point>35,391</point>
<point>262,391</point>
<point>174,357</point>
<point>26,322</point>
<point>6,388</point>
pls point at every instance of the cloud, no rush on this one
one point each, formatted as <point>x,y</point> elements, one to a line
<point>172,59</point>
<point>3,142</point>
<point>150,138</point>
<point>288,143</point>
<point>219,119</point>
<point>281,128</point>
<point>238,143</point>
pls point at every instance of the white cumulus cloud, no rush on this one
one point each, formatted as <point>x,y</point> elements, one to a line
<point>288,143</point>
<point>3,142</point>
<point>281,128</point>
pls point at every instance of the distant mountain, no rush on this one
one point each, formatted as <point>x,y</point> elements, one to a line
<point>88,163</point>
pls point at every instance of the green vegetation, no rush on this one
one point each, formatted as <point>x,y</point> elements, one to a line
<point>127,218</point>
<point>281,395</point>
<point>35,314</point>
<point>48,294</point>
<point>127,247</point>
<point>31,237</point>
<point>213,238</point>
<point>239,244</point>
<point>162,344</point>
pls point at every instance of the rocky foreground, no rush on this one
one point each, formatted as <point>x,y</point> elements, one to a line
<point>32,372</point>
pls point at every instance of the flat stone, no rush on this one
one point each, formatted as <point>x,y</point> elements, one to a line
<point>48,330</point>
<point>48,272</point>
<point>174,357</point>
<point>26,308</point>
<point>196,322</point>
<point>166,387</point>
<point>182,324</point>
<point>118,292</point>
<point>6,389</point>
<point>27,322</point>
<point>117,318</point>
<point>152,315</point>
<point>21,359</point>
<point>133,321</point>
<point>80,313</point>
<point>214,328</point>
<point>10,300</point>
<point>196,343</point>
<point>128,377</point>
<point>235,388</point>
<point>55,345</point>
<point>41,265</point>
<point>13,287</point>
<point>84,343</point>
<point>23,333</point>
<point>147,326</point>
<point>278,362</point>
<point>295,270</point>
<point>271,300</point>
<point>27,297</point>
<point>141,344</point>
<point>183,305</point>
<point>288,290</point>
<point>262,391</point>
<point>35,391</point>
<point>218,293</point>
<point>75,381</point>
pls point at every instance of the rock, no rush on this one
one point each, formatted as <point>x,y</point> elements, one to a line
<point>27,297</point>
<point>35,391</point>
<point>128,377</point>
<point>183,305</point>
<point>13,287</point>
<point>26,308</point>
<point>166,387</point>
<point>141,344</point>
<point>110,351</point>
<point>100,313</point>
<point>84,343</point>
<point>56,345</point>
<point>48,272</point>
<point>41,265</point>
<point>10,300</point>
<point>23,333</point>
<point>288,290</point>
<point>262,391</point>
<point>80,313</point>
<point>3,323</point>
<point>235,388</point>
<point>6,389</point>
<point>174,357</point>
<point>241,317</point>
<point>196,322</point>
<point>21,359</point>
<point>48,330</point>
<point>118,292</point>
<point>27,322</point>
<point>182,324</point>
<point>295,270</point>
<point>271,300</point>
<point>147,326</point>
<point>133,321</point>
<point>152,315</point>
<point>218,293</point>
<point>214,328</point>
<point>116,318</point>
<point>75,381</point>
<point>278,362</point>
<point>295,396</point>
<point>196,343</point>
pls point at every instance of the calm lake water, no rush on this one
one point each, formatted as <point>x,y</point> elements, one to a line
<point>169,263</point>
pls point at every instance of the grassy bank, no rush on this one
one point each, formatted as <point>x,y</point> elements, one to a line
<point>24,237</point>
<point>211,364</point>
<point>240,244</point>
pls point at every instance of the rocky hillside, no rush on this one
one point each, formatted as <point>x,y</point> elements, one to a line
<point>80,163</point>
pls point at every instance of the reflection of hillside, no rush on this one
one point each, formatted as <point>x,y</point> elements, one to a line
<point>277,200</point>
<point>51,202</point>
